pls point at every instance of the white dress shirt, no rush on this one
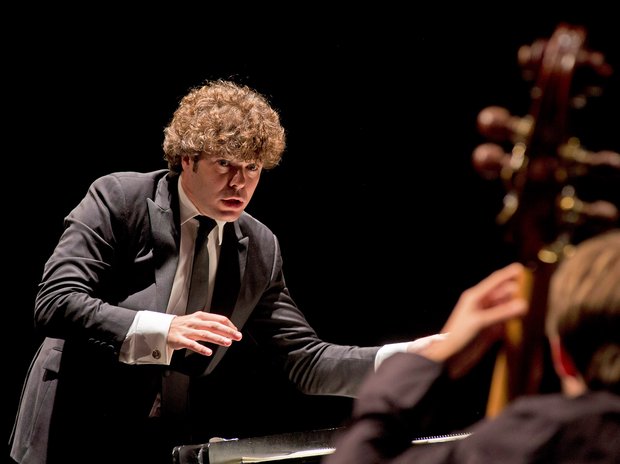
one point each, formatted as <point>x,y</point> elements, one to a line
<point>146,340</point>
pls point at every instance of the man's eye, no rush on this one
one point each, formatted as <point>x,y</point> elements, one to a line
<point>252,167</point>
<point>224,163</point>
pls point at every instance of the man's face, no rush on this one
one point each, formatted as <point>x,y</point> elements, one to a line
<point>220,188</point>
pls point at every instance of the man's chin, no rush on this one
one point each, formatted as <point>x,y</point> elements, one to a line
<point>229,216</point>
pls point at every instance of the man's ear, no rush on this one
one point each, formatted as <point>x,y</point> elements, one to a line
<point>562,361</point>
<point>185,160</point>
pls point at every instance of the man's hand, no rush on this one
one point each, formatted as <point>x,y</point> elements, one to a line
<point>188,330</point>
<point>477,320</point>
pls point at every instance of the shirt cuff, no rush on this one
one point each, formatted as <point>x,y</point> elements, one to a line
<point>145,342</point>
<point>414,346</point>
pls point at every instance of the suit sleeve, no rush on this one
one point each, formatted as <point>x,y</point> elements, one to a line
<point>394,407</point>
<point>312,364</point>
<point>70,303</point>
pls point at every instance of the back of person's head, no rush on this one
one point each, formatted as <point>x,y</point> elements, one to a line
<point>584,310</point>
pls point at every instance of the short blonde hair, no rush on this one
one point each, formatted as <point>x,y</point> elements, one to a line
<point>584,309</point>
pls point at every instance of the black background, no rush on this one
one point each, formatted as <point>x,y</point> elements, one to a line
<point>381,217</point>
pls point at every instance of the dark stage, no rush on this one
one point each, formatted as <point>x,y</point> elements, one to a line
<point>382,219</point>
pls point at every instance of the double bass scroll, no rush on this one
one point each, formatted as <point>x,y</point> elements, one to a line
<point>542,166</point>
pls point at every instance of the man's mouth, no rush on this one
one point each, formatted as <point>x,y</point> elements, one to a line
<point>232,203</point>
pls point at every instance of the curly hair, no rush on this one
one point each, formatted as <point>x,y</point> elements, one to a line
<point>224,119</point>
<point>584,309</point>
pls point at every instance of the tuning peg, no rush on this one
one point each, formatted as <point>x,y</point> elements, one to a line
<point>530,57</point>
<point>497,124</point>
<point>596,61</point>
<point>572,151</point>
<point>489,159</point>
<point>575,210</point>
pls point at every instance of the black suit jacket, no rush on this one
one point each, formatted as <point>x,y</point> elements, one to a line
<point>118,255</point>
<point>394,405</point>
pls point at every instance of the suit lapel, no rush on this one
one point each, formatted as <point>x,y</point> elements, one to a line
<point>166,239</point>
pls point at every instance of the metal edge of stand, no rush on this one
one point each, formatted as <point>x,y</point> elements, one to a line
<point>293,447</point>
<point>190,454</point>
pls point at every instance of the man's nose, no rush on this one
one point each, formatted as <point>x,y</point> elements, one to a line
<point>238,178</point>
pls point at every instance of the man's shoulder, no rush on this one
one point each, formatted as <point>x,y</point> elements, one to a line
<point>262,239</point>
<point>134,176</point>
<point>250,225</point>
<point>131,181</point>
<point>562,408</point>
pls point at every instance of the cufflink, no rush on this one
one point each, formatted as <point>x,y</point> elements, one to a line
<point>156,354</point>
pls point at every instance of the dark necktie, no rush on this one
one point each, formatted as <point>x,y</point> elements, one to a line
<point>175,386</point>
<point>199,282</point>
